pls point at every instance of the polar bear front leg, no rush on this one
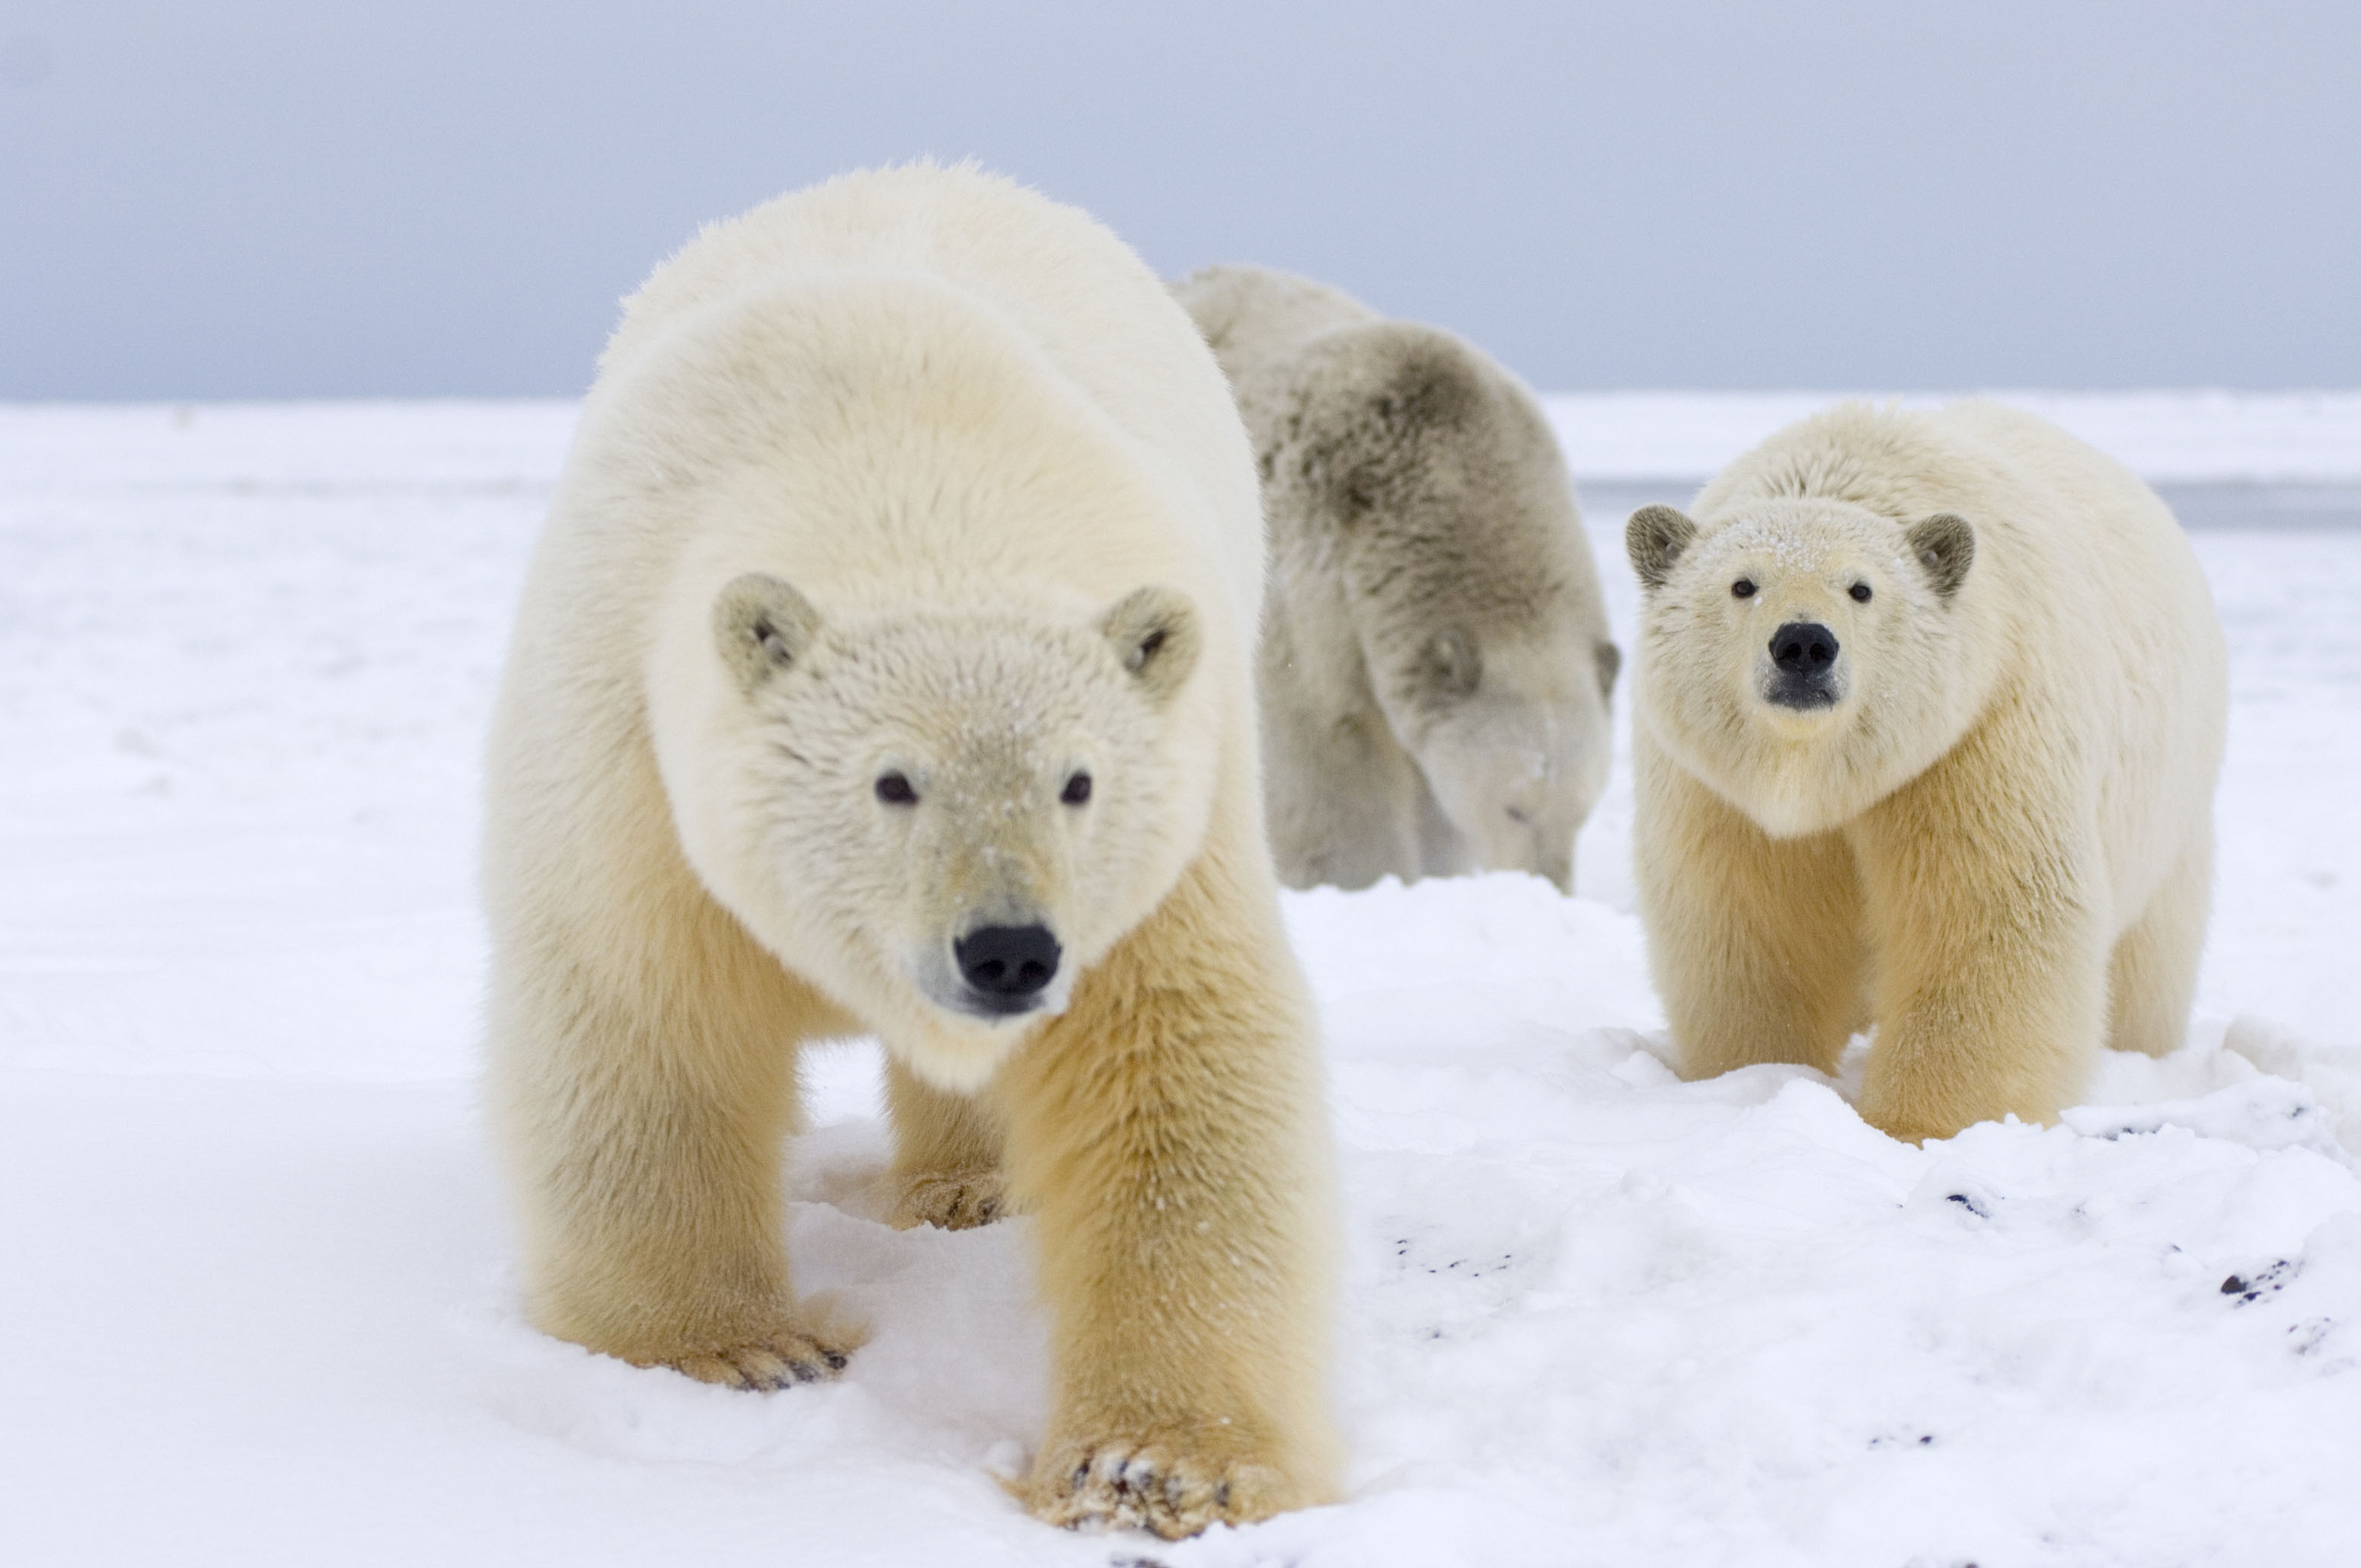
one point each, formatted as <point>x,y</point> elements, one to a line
<point>1984,884</point>
<point>1170,1137</point>
<point>946,1155</point>
<point>644,1145</point>
<point>1344,799</point>
<point>1754,941</point>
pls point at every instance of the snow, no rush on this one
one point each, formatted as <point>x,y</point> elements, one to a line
<point>259,1304</point>
<point>2165,437</point>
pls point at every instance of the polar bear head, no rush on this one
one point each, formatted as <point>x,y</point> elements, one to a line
<point>1439,508</point>
<point>942,815</point>
<point>1804,657</point>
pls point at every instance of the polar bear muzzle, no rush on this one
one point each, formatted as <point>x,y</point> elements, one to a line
<point>1804,654</point>
<point>1006,967</point>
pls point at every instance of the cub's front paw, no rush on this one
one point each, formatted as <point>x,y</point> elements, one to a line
<point>1906,1123</point>
<point>1165,1486</point>
<point>774,1361</point>
<point>950,1199</point>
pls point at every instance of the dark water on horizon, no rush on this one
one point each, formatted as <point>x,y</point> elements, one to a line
<point>2233,504</point>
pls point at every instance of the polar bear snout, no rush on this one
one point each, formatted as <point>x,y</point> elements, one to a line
<point>1804,654</point>
<point>1803,648</point>
<point>1006,967</point>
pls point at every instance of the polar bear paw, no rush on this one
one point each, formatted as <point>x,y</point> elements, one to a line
<point>775,1361</point>
<point>1158,1485</point>
<point>950,1199</point>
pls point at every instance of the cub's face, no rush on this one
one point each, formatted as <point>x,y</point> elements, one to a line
<point>944,818</point>
<point>1803,656</point>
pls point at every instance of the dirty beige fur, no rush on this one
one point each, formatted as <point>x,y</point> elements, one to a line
<point>1435,666</point>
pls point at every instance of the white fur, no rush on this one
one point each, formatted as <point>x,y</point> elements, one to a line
<point>1994,842</point>
<point>915,473</point>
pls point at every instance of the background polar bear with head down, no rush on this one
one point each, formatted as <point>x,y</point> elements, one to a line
<point>885,666</point>
<point>1929,711</point>
<point>1435,665</point>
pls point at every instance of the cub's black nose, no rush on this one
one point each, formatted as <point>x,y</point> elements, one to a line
<point>1803,648</point>
<point>1008,963</point>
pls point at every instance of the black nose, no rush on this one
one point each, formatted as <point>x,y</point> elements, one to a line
<point>1803,648</point>
<point>1008,960</point>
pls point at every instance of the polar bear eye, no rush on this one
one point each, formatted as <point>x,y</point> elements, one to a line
<point>894,789</point>
<point>1743,588</point>
<point>1860,592</point>
<point>1077,791</point>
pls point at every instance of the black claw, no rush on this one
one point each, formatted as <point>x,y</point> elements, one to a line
<point>835,1359</point>
<point>1222,1494</point>
<point>1082,1475</point>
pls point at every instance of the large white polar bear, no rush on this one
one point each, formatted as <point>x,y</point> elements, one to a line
<point>1929,711</point>
<point>1435,665</point>
<point>886,666</point>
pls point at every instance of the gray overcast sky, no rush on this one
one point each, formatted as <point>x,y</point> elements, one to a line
<point>272,198</point>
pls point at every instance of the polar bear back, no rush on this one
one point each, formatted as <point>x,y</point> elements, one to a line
<point>1259,321</point>
<point>1055,278</point>
<point>2150,667</point>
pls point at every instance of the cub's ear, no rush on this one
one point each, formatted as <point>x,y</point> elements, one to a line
<point>762,626</point>
<point>1654,539</point>
<point>1154,631</point>
<point>1610,665</point>
<point>1945,545</point>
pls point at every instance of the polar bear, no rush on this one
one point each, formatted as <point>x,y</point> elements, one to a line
<point>885,666</point>
<point>1435,666</point>
<point>1929,711</point>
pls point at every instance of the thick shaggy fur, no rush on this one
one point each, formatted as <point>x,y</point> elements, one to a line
<point>1435,666</point>
<point>1990,833</point>
<point>915,476</point>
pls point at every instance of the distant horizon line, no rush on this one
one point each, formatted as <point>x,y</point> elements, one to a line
<point>1991,389</point>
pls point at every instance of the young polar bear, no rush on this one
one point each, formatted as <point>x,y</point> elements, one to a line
<point>1930,707</point>
<point>1435,665</point>
<point>885,666</point>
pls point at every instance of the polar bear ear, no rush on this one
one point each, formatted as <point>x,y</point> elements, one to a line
<point>762,626</point>
<point>1154,630</point>
<point>1451,665</point>
<point>1654,539</point>
<point>1945,545</point>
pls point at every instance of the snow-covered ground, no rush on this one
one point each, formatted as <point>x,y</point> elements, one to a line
<point>257,1304</point>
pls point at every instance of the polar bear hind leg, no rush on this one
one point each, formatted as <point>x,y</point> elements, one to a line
<point>2153,975</point>
<point>946,1155</point>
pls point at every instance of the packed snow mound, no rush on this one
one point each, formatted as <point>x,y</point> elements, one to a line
<point>262,1306</point>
